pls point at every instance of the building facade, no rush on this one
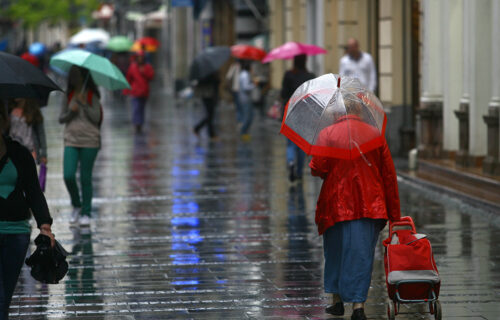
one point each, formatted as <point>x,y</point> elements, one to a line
<point>460,97</point>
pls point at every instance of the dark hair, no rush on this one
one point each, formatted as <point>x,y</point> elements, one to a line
<point>89,84</point>
<point>31,110</point>
<point>299,62</point>
<point>245,65</point>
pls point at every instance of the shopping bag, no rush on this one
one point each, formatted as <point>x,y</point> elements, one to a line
<point>42,176</point>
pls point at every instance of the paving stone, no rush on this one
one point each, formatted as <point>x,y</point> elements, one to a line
<point>191,229</point>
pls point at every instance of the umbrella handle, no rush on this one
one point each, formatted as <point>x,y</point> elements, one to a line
<point>338,82</point>
<point>85,82</point>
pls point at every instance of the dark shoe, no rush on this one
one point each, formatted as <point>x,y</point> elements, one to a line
<point>358,314</point>
<point>291,172</point>
<point>336,310</point>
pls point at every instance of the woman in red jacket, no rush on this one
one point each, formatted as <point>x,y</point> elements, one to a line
<point>139,74</point>
<point>357,198</point>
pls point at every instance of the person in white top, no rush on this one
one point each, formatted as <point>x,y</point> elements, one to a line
<point>358,64</point>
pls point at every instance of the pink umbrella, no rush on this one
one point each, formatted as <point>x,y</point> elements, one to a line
<point>292,49</point>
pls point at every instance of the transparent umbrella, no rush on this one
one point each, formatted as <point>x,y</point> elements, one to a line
<point>334,117</point>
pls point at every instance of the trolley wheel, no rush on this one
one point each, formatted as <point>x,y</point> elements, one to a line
<point>391,313</point>
<point>437,310</point>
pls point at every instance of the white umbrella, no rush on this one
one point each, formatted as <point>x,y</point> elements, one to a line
<point>90,35</point>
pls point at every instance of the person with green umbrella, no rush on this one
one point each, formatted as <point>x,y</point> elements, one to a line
<point>81,114</point>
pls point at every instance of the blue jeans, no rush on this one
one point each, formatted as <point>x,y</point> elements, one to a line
<point>13,248</point>
<point>237,105</point>
<point>295,156</point>
<point>138,110</point>
<point>247,107</point>
<point>349,247</point>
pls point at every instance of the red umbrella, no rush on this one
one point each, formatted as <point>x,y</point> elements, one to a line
<point>245,51</point>
<point>31,59</point>
<point>149,41</point>
<point>333,117</point>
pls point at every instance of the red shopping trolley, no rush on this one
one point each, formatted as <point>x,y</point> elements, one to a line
<point>410,270</point>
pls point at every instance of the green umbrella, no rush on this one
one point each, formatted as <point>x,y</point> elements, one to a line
<point>119,44</point>
<point>102,70</point>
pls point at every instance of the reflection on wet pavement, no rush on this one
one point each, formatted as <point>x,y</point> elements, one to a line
<point>193,229</point>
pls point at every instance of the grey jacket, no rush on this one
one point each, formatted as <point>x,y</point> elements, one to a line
<point>82,128</point>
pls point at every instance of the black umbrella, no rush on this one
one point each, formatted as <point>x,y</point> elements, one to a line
<point>209,61</point>
<point>21,79</point>
<point>48,264</point>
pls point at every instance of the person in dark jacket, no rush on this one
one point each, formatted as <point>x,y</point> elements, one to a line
<point>293,79</point>
<point>139,74</point>
<point>20,194</point>
<point>208,90</point>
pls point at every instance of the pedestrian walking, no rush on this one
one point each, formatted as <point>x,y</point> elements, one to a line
<point>139,74</point>
<point>208,90</point>
<point>233,84</point>
<point>357,197</point>
<point>20,194</point>
<point>358,64</point>
<point>293,79</point>
<point>81,114</point>
<point>245,99</point>
<point>27,128</point>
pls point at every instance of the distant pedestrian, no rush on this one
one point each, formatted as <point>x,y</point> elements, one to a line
<point>233,83</point>
<point>357,198</point>
<point>139,74</point>
<point>27,128</point>
<point>20,195</point>
<point>208,90</point>
<point>246,85</point>
<point>358,64</point>
<point>81,113</point>
<point>293,79</point>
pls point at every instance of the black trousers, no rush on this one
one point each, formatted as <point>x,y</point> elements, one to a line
<point>209,104</point>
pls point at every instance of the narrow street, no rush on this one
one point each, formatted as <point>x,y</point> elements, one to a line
<point>190,229</point>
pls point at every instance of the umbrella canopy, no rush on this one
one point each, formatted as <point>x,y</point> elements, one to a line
<point>103,72</point>
<point>20,79</point>
<point>31,59</point>
<point>147,44</point>
<point>244,51</point>
<point>90,35</point>
<point>334,117</point>
<point>209,61</point>
<point>292,49</point>
<point>37,49</point>
<point>119,44</point>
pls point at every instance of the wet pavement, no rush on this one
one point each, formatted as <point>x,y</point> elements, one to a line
<point>191,229</point>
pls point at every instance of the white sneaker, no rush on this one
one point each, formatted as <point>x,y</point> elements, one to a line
<point>85,221</point>
<point>75,215</point>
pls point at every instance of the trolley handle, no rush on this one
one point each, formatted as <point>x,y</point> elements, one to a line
<point>406,221</point>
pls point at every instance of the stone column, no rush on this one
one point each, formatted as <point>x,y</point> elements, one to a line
<point>431,101</point>
<point>463,112</point>
<point>491,164</point>
<point>452,68</point>
<point>481,75</point>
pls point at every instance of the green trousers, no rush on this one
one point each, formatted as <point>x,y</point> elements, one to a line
<point>86,158</point>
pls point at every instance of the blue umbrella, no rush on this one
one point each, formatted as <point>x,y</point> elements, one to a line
<point>37,49</point>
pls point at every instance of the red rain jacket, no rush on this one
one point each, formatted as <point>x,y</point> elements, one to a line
<point>138,77</point>
<point>365,187</point>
